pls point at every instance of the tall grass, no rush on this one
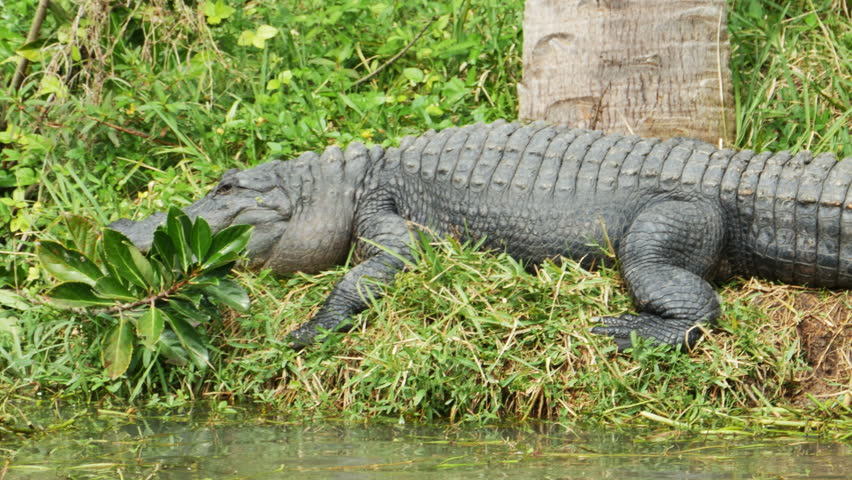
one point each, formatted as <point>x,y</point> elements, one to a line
<point>792,66</point>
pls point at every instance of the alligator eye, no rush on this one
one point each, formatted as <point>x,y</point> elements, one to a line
<point>224,188</point>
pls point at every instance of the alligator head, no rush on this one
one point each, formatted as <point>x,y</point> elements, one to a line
<point>302,211</point>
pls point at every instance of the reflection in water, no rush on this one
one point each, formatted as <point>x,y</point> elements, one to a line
<point>257,448</point>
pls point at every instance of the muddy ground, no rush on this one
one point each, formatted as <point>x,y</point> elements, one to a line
<point>823,321</point>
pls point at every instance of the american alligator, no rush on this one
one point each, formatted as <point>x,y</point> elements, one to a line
<point>677,213</point>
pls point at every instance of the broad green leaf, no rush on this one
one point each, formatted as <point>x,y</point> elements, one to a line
<point>85,233</point>
<point>380,8</point>
<point>74,295</point>
<point>150,325</point>
<point>229,293</point>
<point>285,77</point>
<point>29,54</point>
<point>454,90</point>
<point>52,85</point>
<point>179,229</point>
<point>188,309</point>
<point>201,238</point>
<point>192,297</point>
<point>205,280</point>
<point>11,134</point>
<point>259,42</point>
<point>170,347</point>
<point>257,38</point>
<point>25,176</point>
<point>216,12</point>
<point>349,103</point>
<point>246,38</point>
<point>163,248</point>
<point>755,10</point>
<point>266,31</point>
<point>7,179</point>
<point>117,349</point>
<point>165,274</point>
<point>434,110</point>
<point>11,299</point>
<point>109,287</point>
<point>20,223</point>
<point>9,325</point>
<point>32,51</point>
<point>112,267</point>
<point>144,266</point>
<point>227,246</point>
<point>67,265</point>
<point>812,20</point>
<point>117,249</point>
<point>414,75</point>
<point>190,340</point>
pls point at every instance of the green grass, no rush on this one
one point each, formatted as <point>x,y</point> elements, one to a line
<point>171,103</point>
<point>792,66</point>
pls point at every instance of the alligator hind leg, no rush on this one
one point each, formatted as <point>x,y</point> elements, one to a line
<point>666,254</point>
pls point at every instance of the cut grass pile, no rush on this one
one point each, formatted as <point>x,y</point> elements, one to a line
<point>469,335</point>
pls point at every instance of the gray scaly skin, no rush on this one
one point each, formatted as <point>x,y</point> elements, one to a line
<point>678,213</point>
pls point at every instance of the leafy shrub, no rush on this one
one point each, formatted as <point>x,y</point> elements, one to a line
<point>160,300</point>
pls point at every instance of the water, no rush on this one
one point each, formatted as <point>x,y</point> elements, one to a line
<point>248,448</point>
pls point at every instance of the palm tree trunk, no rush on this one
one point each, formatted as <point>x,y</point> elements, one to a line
<point>651,67</point>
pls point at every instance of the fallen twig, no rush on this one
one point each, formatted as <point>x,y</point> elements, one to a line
<point>395,57</point>
<point>135,132</point>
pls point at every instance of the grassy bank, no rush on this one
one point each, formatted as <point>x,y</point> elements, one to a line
<point>148,104</point>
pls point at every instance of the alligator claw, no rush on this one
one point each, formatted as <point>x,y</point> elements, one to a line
<point>297,345</point>
<point>302,337</point>
<point>618,328</point>
<point>656,329</point>
<point>317,330</point>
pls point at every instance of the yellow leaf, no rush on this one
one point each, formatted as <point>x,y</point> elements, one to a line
<point>51,84</point>
<point>266,31</point>
<point>246,38</point>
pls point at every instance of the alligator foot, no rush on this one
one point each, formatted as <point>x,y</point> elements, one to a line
<point>657,329</point>
<point>313,331</point>
<point>300,338</point>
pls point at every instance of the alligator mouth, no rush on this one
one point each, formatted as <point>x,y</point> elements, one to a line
<point>269,226</point>
<point>256,216</point>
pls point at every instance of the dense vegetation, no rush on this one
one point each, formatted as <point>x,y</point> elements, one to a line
<point>132,107</point>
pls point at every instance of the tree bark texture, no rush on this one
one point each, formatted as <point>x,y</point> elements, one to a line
<point>656,68</point>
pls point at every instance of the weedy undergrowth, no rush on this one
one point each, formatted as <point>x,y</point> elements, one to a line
<point>476,336</point>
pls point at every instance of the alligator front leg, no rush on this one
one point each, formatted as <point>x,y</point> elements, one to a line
<point>666,254</point>
<point>385,242</point>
